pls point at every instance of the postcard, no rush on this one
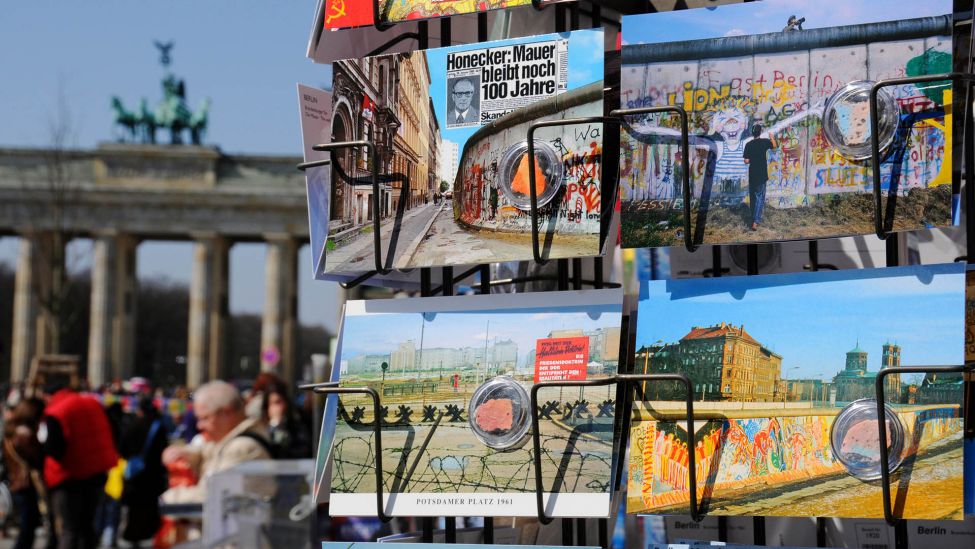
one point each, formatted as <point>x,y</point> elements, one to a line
<point>341,14</point>
<point>776,97</point>
<point>315,111</point>
<point>449,128</point>
<point>453,375</point>
<point>315,108</point>
<point>777,362</point>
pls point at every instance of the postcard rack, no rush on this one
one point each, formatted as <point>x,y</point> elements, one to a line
<point>964,370</point>
<point>883,221</point>
<point>569,272</point>
<point>626,381</point>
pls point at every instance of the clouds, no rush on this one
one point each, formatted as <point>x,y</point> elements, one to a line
<point>585,57</point>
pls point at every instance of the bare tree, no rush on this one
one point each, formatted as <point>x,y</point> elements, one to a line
<point>54,196</point>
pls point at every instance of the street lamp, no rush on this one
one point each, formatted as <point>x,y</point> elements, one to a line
<point>646,363</point>
<point>822,388</point>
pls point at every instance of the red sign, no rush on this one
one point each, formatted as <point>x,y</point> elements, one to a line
<point>270,355</point>
<point>368,107</point>
<point>343,14</point>
<point>561,359</point>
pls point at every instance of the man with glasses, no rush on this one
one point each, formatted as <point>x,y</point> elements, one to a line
<point>462,112</point>
<point>231,438</point>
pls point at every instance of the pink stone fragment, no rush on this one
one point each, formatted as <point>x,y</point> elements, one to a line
<point>494,415</point>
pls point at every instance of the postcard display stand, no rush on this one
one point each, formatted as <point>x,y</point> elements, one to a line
<point>567,17</point>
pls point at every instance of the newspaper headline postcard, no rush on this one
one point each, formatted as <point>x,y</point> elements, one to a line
<point>340,14</point>
<point>778,363</point>
<point>453,375</point>
<point>450,130</point>
<point>776,95</point>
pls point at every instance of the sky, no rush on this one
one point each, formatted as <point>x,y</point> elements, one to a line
<point>382,333</point>
<point>813,319</point>
<point>770,16</point>
<point>245,55</point>
<point>585,67</point>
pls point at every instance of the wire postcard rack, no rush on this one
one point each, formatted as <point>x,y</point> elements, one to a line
<point>567,17</point>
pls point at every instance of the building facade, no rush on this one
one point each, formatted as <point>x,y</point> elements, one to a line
<point>449,159</point>
<point>723,361</point>
<point>856,382</point>
<point>941,389</point>
<point>403,359</point>
<point>433,168</point>
<point>412,140</point>
<point>806,390</point>
<point>383,100</point>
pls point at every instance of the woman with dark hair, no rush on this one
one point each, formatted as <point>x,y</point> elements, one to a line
<point>288,437</point>
<point>254,401</point>
<point>145,477</point>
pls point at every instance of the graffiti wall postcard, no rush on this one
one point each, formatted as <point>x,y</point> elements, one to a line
<point>780,367</point>
<point>450,130</point>
<point>340,14</point>
<point>776,95</point>
<point>454,376</point>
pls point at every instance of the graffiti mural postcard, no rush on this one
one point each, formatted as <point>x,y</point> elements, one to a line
<point>777,363</point>
<point>341,14</point>
<point>453,375</point>
<point>450,130</point>
<point>776,94</point>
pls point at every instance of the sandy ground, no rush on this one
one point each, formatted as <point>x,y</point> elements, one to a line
<point>842,214</point>
<point>448,243</point>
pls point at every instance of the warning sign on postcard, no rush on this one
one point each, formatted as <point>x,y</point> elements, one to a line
<point>561,359</point>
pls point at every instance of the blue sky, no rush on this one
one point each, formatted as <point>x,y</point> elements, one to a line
<point>585,67</point>
<point>770,16</point>
<point>381,333</point>
<point>813,319</point>
<point>245,55</point>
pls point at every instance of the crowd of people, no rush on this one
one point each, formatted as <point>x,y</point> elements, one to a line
<point>97,468</point>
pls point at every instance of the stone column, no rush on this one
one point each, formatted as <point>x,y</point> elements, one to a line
<point>100,329</point>
<point>126,304</point>
<point>34,329</point>
<point>25,310</point>
<point>279,330</point>
<point>111,331</point>
<point>207,339</point>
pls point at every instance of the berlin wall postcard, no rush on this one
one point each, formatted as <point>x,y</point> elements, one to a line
<point>431,358</point>
<point>775,362</point>
<point>450,128</point>
<point>776,94</point>
<point>341,14</point>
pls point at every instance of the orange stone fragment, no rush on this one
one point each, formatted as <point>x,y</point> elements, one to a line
<point>495,415</point>
<point>520,183</point>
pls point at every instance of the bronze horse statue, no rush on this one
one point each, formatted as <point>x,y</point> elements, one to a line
<point>171,113</point>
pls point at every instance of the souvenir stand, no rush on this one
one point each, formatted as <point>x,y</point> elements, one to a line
<point>575,274</point>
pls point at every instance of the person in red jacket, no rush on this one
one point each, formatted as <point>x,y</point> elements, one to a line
<point>79,450</point>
